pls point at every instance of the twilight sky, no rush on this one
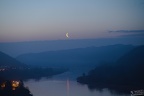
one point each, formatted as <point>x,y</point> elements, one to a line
<point>30,20</point>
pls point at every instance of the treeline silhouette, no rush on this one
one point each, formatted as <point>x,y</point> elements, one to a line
<point>127,72</point>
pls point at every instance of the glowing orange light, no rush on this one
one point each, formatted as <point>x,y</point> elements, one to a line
<point>15,83</point>
<point>2,85</point>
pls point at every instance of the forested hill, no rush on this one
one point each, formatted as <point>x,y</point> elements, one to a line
<point>127,71</point>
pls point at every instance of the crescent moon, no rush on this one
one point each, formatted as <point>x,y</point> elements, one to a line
<point>67,35</point>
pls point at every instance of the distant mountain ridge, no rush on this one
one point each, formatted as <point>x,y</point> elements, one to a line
<point>76,57</point>
<point>15,49</point>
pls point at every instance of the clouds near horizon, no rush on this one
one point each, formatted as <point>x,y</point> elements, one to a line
<point>128,31</point>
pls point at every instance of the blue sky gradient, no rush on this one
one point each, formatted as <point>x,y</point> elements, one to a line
<point>30,20</point>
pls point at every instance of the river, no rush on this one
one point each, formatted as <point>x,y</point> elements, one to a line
<point>64,86</point>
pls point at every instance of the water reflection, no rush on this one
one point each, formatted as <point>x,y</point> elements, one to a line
<point>68,87</point>
<point>121,90</point>
<point>112,89</point>
<point>13,88</point>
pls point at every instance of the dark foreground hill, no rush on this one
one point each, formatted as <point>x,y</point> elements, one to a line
<point>76,57</point>
<point>13,88</point>
<point>6,60</point>
<point>10,68</point>
<point>127,71</point>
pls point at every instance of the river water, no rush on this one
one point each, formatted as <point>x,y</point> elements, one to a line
<point>64,87</point>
